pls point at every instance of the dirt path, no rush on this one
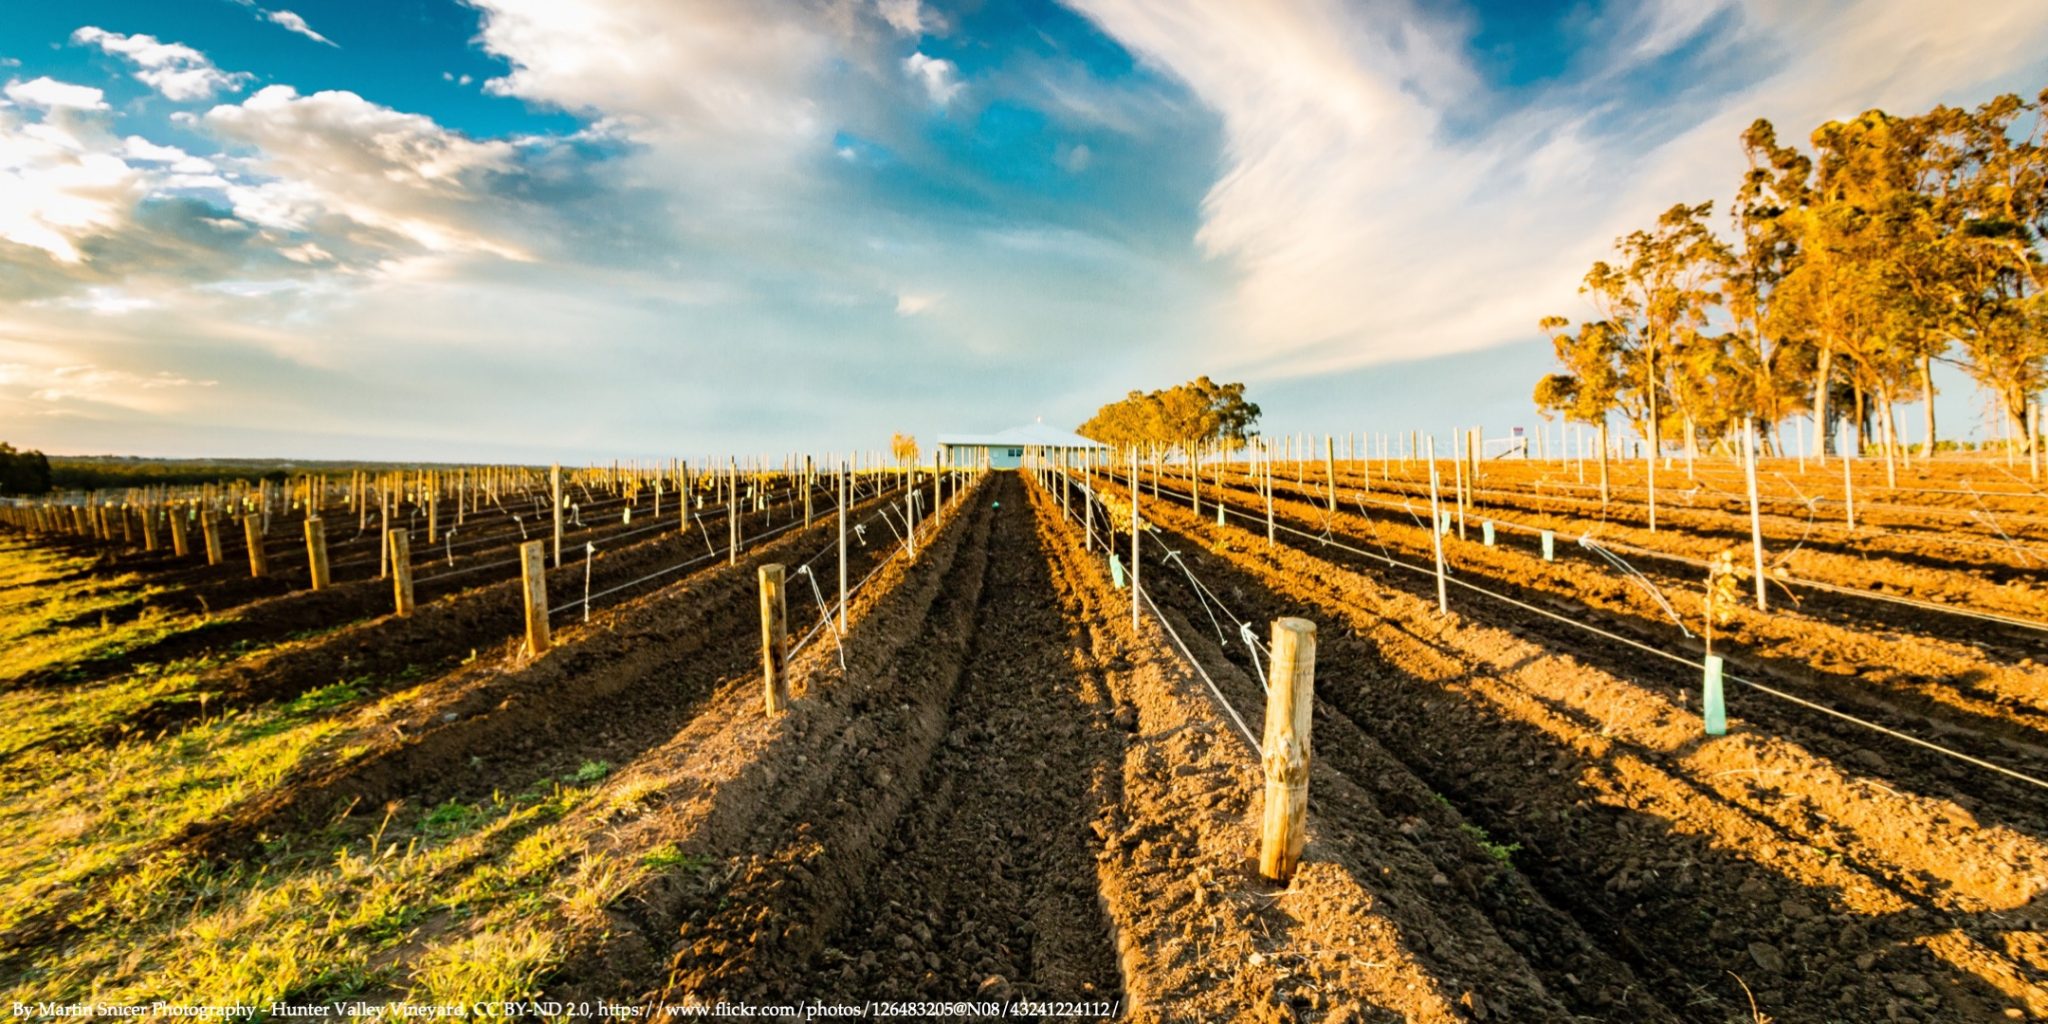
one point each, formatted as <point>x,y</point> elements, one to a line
<point>988,883</point>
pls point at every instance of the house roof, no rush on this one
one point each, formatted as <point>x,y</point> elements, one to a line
<point>1031,435</point>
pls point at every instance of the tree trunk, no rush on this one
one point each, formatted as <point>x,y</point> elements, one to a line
<point>1927,389</point>
<point>1862,417</point>
<point>1650,436</point>
<point>1603,464</point>
<point>1692,446</point>
<point>1891,441</point>
<point>1823,439</point>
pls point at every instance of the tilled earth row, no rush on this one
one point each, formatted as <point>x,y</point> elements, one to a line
<point>1835,883</point>
<point>1977,686</point>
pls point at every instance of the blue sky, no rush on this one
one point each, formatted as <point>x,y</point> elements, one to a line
<point>538,229</point>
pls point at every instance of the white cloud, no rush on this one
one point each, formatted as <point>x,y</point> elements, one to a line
<point>49,94</point>
<point>1075,158</point>
<point>909,304</point>
<point>905,16</point>
<point>59,182</point>
<point>1368,221</point>
<point>940,77</point>
<point>97,384</point>
<point>335,151</point>
<point>293,23</point>
<point>735,71</point>
<point>179,72</point>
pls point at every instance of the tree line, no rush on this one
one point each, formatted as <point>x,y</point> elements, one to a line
<point>23,472</point>
<point>1183,417</point>
<point>1847,270</point>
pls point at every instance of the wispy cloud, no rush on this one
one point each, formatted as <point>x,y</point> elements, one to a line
<point>1363,227</point>
<point>909,304</point>
<point>175,70</point>
<point>284,19</point>
<point>940,77</point>
<point>291,22</point>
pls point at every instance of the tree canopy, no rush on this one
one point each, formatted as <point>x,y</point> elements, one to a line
<point>23,472</point>
<point>1893,242</point>
<point>1184,416</point>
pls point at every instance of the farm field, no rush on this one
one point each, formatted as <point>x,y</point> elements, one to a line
<point>999,789</point>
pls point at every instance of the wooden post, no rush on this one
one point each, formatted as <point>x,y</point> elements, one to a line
<point>1330,469</point>
<point>1088,503</point>
<point>2034,466</point>
<point>555,500</point>
<point>1267,463</point>
<point>179,546</point>
<point>1290,701</point>
<point>1134,538</point>
<point>1458,472</point>
<point>252,531</point>
<point>1650,465</point>
<point>1848,493</point>
<point>843,493</point>
<point>148,528</point>
<point>1756,528</point>
<point>433,508</point>
<point>316,551</point>
<point>401,571</point>
<point>209,524</point>
<point>806,486</point>
<point>533,575</point>
<point>732,512</point>
<point>774,638</point>
<point>1436,533</point>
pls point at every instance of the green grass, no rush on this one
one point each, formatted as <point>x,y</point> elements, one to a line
<point>36,597</point>
<point>1504,853</point>
<point>455,902</point>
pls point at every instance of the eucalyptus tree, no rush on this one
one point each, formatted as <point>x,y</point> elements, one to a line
<point>1773,356</point>
<point>1999,214</point>
<point>1660,294</point>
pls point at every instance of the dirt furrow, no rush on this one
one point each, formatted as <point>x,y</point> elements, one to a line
<point>1685,858</point>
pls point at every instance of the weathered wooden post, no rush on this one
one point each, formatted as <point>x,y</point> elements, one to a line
<point>555,500</point>
<point>774,638</point>
<point>1650,446</point>
<point>1848,493</point>
<point>179,546</point>
<point>209,525</point>
<point>843,497</point>
<point>252,531</point>
<point>1134,538</point>
<point>148,528</point>
<point>1330,469</point>
<point>1436,533</point>
<point>1088,505</point>
<point>807,492</point>
<point>1286,750</point>
<point>316,551</point>
<point>533,577</point>
<point>1267,479</point>
<point>1458,487</point>
<point>1756,528</point>
<point>732,511</point>
<point>401,571</point>
<point>433,481</point>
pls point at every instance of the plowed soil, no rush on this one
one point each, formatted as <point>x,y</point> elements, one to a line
<point>1003,791</point>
